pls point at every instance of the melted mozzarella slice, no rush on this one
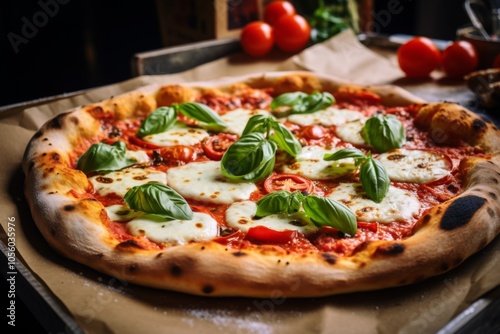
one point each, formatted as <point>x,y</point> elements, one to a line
<point>121,213</point>
<point>179,134</point>
<point>121,181</point>
<point>204,181</point>
<point>397,205</point>
<point>415,165</point>
<point>351,132</point>
<point>201,228</point>
<point>310,163</point>
<point>138,156</point>
<point>240,215</point>
<point>237,119</point>
<point>329,116</point>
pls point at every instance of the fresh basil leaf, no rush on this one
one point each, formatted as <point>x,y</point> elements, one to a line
<point>250,158</point>
<point>201,113</point>
<point>327,212</point>
<point>102,157</point>
<point>384,133</point>
<point>302,103</point>
<point>158,121</point>
<point>158,199</point>
<point>285,139</point>
<point>279,202</point>
<point>257,123</point>
<point>345,153</point>
<point>314,102</point>
<point>287,100</point>
<point>374,179</point>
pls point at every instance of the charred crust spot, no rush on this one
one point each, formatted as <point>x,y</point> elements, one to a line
<point>128,244</point>
<point>478,125</point>
<point>426,218</point>
<point>207,289</point>
<point>493,195</point>
<point>99,255</point>
<point>55,156</point>
<point>53,231</point>
<point>461,211</point>
<point>329,258</point>
<point>445,266</point>
<point>38,134</point>
<point>74,120</point>
<point>69,207</point>
<point>31,165</point>
<point>391,249</point>
<point>159,255</point>
<point>494,180</point>
<point>176,270</point>
<point>56,122</point>
<point>239,254</point>
<point>132,268</point>
<point>491,212</point>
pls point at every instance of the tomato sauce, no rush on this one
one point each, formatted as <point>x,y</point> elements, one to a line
<point>325,239</point>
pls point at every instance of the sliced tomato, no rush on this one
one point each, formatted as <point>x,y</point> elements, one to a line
<point>215,146</point>
<point>178,153</point>
<point>290,182</point>
<point>368,225</point>
<point>266,235</point>
<point>312,132</point>
<point>141,143</point>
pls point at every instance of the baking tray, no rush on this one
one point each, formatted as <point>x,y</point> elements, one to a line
<point>482,316</point>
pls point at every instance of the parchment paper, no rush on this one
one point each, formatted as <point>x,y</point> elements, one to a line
<point>102,304</point>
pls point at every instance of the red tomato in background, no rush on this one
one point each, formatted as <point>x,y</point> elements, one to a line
<point>418,57</point>
<point>459,58</point>
<point>276,9</point>
<point>291,32</point>
<point>257,38</point>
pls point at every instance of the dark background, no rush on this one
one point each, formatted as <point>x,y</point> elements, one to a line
<point>86,44</point>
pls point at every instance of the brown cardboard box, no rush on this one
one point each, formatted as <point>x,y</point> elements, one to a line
<point>185,21</point>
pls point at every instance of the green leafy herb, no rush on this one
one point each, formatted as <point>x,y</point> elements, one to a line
<point>251,158</point>
<point>201,113</point>
<point>160,120</point>
<point>301,103</point>
<point>374,179</point>
<point>372,174</point>
<point>322,211</point>
<point>384,133</point>
<point>102,157</point>
<point>163,118</point>
<point>158,199</point>
<point>281,201</point>
<point>327,212</point>
<point>328,21</point>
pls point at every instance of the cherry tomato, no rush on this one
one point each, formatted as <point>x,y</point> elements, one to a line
<point>215,146</point>
<point>496,62</point>
<point>290,182</point>
<point>291,32</point>
<point>257,38</point>
<point>312,132</point>
<point>266,235</point>
<point>418,57</point>
<point>178,153</point>
<point>276,9</point>
<point>368,225</point>
<point>459,58</point>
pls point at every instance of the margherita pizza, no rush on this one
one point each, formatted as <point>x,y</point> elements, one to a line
<point>280,182</point>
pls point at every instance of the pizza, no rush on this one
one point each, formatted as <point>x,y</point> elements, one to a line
<point>283,183</point>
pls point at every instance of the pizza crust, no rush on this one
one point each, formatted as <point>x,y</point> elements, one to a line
<point>74,224</point>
